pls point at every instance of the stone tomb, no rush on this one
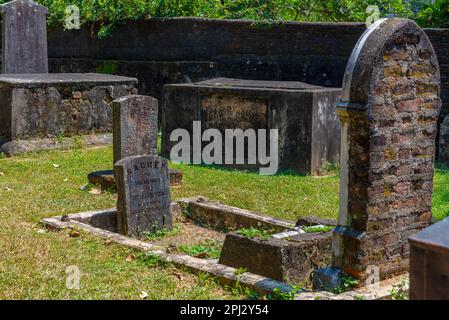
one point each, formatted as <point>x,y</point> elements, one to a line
<point>389,110</point>
<point>143,189</point>
<point>43,107</point>
<point>135,133</point>
<point>429,263</point>
<point>304,115</point>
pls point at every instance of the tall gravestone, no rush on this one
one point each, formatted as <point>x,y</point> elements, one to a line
<point>388,115</point>
<point>24,37</point>
<point>135,126</point>
<point>143,187</point>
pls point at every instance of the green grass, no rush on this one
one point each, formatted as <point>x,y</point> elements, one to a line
<point>209,249</point>
<point>33,262</point>
<point>254,233</point>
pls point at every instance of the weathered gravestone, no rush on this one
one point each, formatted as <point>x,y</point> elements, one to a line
<point>135,133</point>
<point>135,126</point>
<point>143,188</point>
<point>388,115</point>
<point>24,37</point>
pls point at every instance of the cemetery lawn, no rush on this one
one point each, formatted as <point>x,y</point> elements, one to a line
<point>36,185</point>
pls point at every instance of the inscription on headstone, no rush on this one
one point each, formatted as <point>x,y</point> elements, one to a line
<point>24,43</point>
<point>135,126</point>
<point>143,187</point>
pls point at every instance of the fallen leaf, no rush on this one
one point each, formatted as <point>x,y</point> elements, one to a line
<point>143,295</point>
<point>83,188</point>
<point>178,275</point>
<point>108,242</point>
<point>66,179</point>
<point>130,257</point>
<point>2,174</point>
<point>74,233</point>
<point>201,255</point>
<point>8,189</point>
<point>56,165</point>
<point>95,191</point>
<point>41,231</point>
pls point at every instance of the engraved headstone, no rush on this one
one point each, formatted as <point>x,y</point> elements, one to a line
<point>134,126</point>
<point>143,188</point>
<point>388,117</point>
<point>24,37</point>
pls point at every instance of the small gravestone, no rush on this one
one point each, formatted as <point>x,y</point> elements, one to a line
<point>135,126</point>
<point>143,189</point>
<point>24,48</point>
<point>135,133</point>
<point>388,117</point>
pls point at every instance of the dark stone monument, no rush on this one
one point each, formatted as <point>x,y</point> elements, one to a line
<point>388,113</point>
<point>135,126</point>
<point>429,263</point>
<point>135,133</point>
<point>143,188</point>
<point>24,37</point>
<point>304,114</point>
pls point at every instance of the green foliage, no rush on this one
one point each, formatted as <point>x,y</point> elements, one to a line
<point>158,234</point>
<point>434,14</point>
<point>206,249</point>
<point>107,67</point>
<point>400,291</point>
<point>313,229</point>
<point>279,294</point>
<point>108,13</point>
<point>254,233</point>
<point>347,283</point>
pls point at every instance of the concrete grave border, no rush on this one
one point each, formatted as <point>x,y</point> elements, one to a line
<point>224,274</point>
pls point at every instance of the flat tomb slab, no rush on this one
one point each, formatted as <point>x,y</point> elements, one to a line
<point>43,106</point>
<point>40,79</point>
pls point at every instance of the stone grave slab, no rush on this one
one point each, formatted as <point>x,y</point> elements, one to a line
<point>429,263</point>
<point>389,110</point>
<point>304,114</point>
<point>144,200</point>
<point>24,37</point>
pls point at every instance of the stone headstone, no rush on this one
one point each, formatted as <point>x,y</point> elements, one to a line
<point>388,116</point>
<point>134,126</point>
<point>24,46</point>
<point>143,189</point>
<point>429,263</point>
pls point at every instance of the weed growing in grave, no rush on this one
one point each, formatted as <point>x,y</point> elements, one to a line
<point>2,155</point>
<point>327,168</point>
<point>240,271</point>
<point>158,234</point>
<point>359,297</point>
<point>79,142</point>
<point>313,229</point>
<point>400,291</point>
<point>254,233</point>
<point>206,249</point>
<point>347,284</point>
<point>278,294</point>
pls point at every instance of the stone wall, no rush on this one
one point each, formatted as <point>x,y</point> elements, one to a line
<point>161,51</point>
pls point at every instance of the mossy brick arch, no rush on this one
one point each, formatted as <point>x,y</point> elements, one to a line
<point>388,113</point>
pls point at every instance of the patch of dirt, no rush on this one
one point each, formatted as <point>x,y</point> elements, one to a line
<point>188,233</point>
